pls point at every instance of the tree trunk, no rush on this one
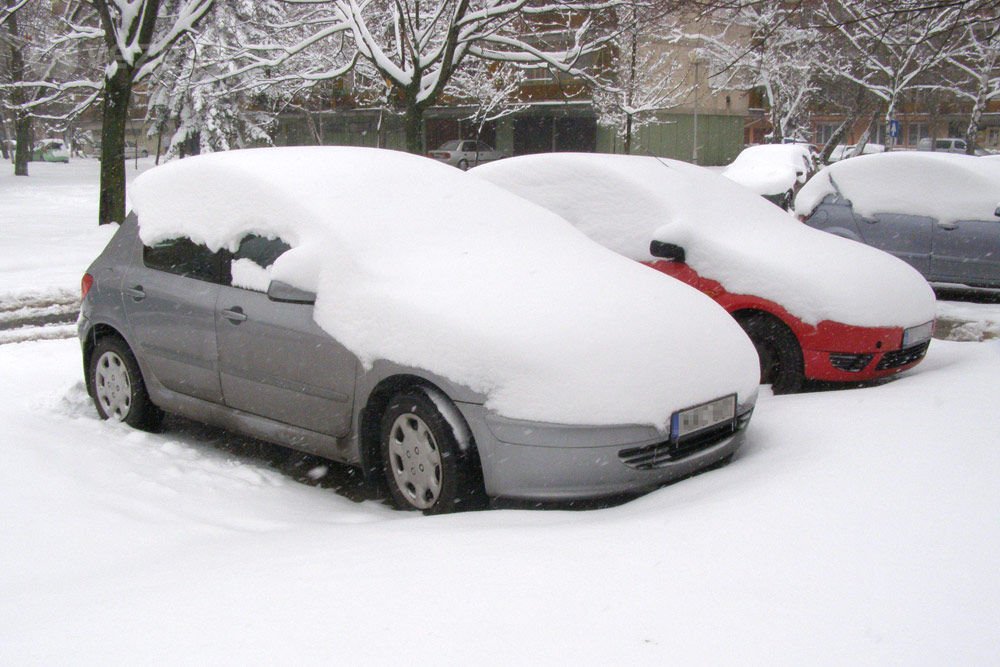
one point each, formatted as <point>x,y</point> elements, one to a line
<point>866,135</point>
<point>836,137</point>
<point>117,91</point>
<point>413,124</point>
<point>972,132</point>
<point>22,154</point>
<point>4,137</point>
<point>22,119</point>
<point>628,134</point>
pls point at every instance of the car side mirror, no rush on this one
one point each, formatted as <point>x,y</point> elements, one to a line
<point>668,251</point>
<point>285,293</point>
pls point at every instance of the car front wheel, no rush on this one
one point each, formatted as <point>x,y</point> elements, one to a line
<point>117,386</point>
<point>426,468</point>
<point>781,363</point>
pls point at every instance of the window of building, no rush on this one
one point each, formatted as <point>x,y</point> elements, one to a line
<point>824,132</point>
<point>915,132</point>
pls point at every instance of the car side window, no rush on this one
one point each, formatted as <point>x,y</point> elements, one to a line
<point>248,268</point>
<point>183,257</point>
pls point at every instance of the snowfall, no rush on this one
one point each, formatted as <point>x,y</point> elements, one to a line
<point>857,526</point>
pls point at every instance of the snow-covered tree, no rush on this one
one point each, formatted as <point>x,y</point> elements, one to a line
<point>42,77</point>
<point>978,67</point>
<point>138,34</point>
<point>200,93</point>
<point>770,46</point>
<point>889,52</point>
<point>412,49</point>
<point>645,74</point>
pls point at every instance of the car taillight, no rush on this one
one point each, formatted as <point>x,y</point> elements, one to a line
<point>85,285</point>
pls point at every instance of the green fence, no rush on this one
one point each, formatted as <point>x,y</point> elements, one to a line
<point>720,138</point>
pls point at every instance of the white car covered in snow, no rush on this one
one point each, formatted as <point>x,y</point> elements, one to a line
<point>817,307</point>
<point>342,301</point>
<point>773,171</point>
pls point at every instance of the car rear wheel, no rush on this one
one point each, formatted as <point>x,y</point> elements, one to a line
<point>780,355</point>
<point>117,386</point>
<point>425,466</point>
<point>463,164</point>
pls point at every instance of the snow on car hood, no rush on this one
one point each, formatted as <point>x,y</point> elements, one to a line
<point>770,169</point>
<point>943,186</point>
<point>729,235</point>
<point>415,263</point>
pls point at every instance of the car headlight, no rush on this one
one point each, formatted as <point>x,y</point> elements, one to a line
<point>918,334</point>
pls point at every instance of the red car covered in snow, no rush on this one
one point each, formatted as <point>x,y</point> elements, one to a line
<point>816,307</point>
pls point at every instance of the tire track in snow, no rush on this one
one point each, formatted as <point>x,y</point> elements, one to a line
<point>38,318</point>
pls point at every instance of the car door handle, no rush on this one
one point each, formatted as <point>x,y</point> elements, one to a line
<point>235,315</point>
<point>948,225</point>
<point>136,292</point>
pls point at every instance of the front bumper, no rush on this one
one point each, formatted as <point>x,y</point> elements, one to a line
<point>837,352</point>
<point>590,462</point>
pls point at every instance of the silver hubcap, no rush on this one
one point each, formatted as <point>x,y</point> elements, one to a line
<point>113,386</point>
<point>415,460</point>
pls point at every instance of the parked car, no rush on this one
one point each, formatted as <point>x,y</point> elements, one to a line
<point>465,153</point>
<point>50,150</point>
<point>945,145</point>
<point>333,301</point>
<point>815,306</point>
<point>773,171</point>
<point>936,211</point>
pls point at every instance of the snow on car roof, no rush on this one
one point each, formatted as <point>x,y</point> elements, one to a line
<point>729,234</point>
<point>503,297</point>
<point>770,169</point>
<point>943,186</point>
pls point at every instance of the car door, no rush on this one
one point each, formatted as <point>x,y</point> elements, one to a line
<point>967,252</point>
<point>169,296</point>
<point>274,359</point>
<point>908,237</point>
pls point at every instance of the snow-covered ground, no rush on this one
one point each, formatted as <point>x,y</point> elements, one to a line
<point>856,527</point>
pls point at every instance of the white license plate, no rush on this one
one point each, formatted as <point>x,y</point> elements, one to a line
<point>918,334</point>
<point>703,416</point>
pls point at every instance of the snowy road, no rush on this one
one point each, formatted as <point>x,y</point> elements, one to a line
<point>857,527</point>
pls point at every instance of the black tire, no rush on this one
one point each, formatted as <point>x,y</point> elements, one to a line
<point>463,164</point>
<point>425,467</point>
<point>780,355</point>
<point>117,387</point>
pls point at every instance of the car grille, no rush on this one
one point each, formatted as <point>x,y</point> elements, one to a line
<point>903,357</point>
<point>852,363</point>
<point>660,454</point>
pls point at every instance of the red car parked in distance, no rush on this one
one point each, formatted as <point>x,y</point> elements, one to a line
<point>816,307</point>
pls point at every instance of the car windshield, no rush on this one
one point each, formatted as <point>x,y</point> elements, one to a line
<point>449,145</point>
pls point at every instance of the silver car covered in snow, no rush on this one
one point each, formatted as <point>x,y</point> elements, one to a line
<point>324,299</point>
